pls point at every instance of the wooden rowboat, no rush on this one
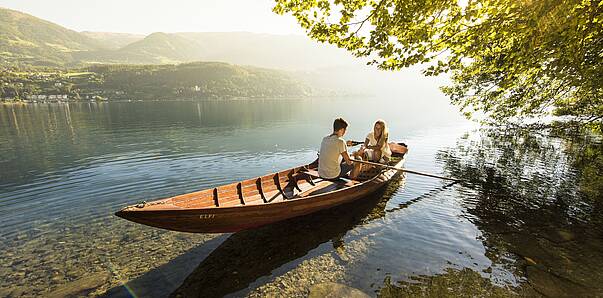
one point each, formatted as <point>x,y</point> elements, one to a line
<point>259,201</point>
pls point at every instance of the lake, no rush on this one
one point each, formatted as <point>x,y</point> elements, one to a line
<point>528,220</point>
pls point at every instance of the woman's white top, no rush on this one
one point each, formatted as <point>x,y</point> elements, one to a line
<point>386,152</point>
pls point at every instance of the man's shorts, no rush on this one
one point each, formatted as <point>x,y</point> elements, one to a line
<point>345,169</point>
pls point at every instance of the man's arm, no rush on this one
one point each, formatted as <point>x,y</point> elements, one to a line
<point>346,157</point>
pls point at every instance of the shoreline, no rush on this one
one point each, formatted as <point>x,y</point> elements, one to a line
<point>26,102</point>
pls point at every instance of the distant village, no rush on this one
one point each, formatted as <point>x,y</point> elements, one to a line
<point>62,86</point>
<point>43,98</point>
<point>33,87</point>
<point>149,82</point>
<point>56,98</point>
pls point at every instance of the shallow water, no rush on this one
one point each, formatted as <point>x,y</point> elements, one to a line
<point>527,220</point>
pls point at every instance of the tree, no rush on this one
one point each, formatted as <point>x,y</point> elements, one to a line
<point>509,60</point>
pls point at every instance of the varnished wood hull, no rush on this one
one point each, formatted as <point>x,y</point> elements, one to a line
<point>220,219</point>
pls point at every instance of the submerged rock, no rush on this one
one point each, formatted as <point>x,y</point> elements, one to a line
<point>451,283</point>
<point>82,286</point>
<point>332,289</point>
<point>550,285</point>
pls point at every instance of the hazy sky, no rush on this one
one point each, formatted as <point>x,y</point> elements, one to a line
<point>139,16</point>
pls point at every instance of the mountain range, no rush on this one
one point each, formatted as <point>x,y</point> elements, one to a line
<point>27,40</point>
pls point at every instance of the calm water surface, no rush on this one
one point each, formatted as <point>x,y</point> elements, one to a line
<point>527,221</point>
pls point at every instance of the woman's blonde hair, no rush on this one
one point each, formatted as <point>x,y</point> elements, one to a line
<point>384,133</point>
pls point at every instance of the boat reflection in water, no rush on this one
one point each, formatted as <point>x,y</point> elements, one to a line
<point>248,255</point>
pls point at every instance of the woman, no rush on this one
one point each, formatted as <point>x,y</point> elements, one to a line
<point>375,146</point>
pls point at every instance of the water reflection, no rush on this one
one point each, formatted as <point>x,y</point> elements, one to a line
<point>530,216</point>
<point>67,167</point>
<point>248,255</point>
<point>49,137</point>
<point>537,198</point>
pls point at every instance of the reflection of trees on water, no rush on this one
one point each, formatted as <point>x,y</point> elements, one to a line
<point>537,197</point>
<point>248,255</point>
<point>37,138</point>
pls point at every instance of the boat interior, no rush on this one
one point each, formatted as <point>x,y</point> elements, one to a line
<point>299,182</point>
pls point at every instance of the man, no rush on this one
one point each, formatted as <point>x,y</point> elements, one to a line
<point>331,148</point>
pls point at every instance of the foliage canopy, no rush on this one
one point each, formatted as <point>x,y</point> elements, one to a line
<point>507,59</point>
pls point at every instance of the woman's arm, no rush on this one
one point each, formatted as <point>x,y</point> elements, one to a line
<point>379,146</point>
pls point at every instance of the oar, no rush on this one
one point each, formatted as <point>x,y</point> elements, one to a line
<point>405,170</point>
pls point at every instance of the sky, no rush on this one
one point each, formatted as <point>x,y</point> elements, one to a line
<point>144,17</point>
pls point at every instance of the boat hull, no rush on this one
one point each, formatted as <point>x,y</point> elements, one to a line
<point>237,218</point>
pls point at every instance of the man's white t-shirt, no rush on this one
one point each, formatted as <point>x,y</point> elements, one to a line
<point>329,159</point>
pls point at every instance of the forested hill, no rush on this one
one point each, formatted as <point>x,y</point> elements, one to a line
<point>156,48</point>
<point>113,41</point>
<point>199,80</point>
<point>29,40</point>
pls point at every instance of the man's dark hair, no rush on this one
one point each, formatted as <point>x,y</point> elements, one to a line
<point>339,123</point>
